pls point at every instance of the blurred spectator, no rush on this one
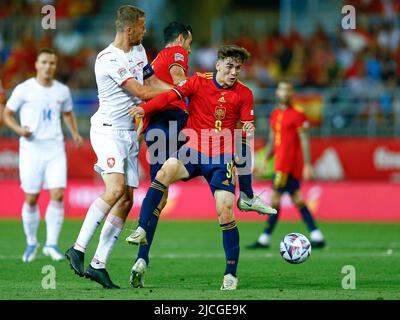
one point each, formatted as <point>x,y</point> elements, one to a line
<point>389,37</point>
<point>67,40</point>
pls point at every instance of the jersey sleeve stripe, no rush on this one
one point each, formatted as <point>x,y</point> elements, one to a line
<point>178,65</point>
<point>178,93</point>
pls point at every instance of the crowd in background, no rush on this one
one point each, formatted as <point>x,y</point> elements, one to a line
<point>360,58</point>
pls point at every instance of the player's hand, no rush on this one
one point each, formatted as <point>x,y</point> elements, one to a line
<point>78,140</point>
<point>307,172</point>
<point>136,112</point>
<point>249,128</point>
<point>24,132</point>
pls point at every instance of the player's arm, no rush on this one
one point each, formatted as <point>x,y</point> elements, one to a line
<point>185,89</point>
<point>155,104</point>
<point>177,74</point>
<point>155,82</point>
<point>70,121</point>
<point>145,92</point>
<point>13,124</point>
<point>305,147</point>
<point>270,145</point>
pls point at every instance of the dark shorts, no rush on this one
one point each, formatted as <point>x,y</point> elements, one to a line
<point>285,183</point>
<point>218,171</point>
<point>161,122</point>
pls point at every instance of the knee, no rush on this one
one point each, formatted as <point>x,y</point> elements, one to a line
<point>225,212</point>
<point>126,205</point>
<point>168,171</point>
<point>58,196</point>
<point>115,192</point>
<point>31,200</point>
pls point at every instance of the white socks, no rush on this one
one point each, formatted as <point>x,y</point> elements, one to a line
<point>54,220</point>
<point>109,235</point>
<point>93,219</point>
<point>30,221</point>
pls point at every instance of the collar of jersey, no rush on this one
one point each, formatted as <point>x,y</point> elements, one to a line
<point>218,85</point>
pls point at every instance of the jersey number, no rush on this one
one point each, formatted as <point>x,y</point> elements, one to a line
<point>230,168</point>
<point>218,125</point>
<point>47,115</point>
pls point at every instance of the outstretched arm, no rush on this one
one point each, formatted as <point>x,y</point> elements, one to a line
<point>70,121</point>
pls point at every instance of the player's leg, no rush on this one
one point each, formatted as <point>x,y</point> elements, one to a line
<point>316,237</point>
<point>54,220</point>
<point>263,240</point>
<point>110,232</point>
<point>171,171</point>
<point>111,151</point>
<point>31,174</point>
<point>100,207</point>
<point>224,202</point>
<point>248,201</point>
<point>30,221</point>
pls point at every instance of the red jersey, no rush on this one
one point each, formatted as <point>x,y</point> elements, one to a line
<point>286,125</point>
<point>213,112</point>
<point>162,64</point>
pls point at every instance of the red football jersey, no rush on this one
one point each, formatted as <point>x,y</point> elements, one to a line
<point>165,60</point>
<point>215,112</point>
<point>286,125</point>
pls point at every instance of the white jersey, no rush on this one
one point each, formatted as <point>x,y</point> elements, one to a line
<point>113,68</point>
<point>40,110</point>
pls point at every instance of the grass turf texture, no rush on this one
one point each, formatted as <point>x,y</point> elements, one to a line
<point>187,262</point>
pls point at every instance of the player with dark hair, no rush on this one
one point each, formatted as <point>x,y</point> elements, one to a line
<point>218,101</point>
<point>289,143</point>
<point>171,66</point>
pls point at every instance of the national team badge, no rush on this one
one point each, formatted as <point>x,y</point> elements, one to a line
<point>111,162</point>
<point>179,57</point>
<point>220,112</point>
<point>122,72</point>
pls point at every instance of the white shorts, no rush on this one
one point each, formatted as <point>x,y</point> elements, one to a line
<point>42,164</point>
<point>117,152</point>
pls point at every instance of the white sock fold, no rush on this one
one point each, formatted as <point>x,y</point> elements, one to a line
<point>30,221</point>
<point>108,237</point>
<point>95,215</point>
<point>54,220</point>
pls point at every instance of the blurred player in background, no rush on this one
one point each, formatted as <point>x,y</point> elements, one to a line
<point>289,143</point>
<point>121,71</point>
<point>41,101</point>
<point>209,158</point>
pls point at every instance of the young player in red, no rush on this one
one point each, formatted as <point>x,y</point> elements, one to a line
<point>289,143</point>
<point>217,103</point>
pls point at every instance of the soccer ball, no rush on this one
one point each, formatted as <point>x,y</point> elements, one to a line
<point>295,248</point>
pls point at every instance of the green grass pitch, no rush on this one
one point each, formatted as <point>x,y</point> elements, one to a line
<point>187,262</point>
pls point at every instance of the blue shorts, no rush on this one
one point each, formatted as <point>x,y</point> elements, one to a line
<point>161,121</point>
<point>285,183</point>
<point>218,171</point>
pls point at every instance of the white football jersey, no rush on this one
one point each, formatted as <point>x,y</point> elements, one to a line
<point>40,109</point>
<point>113,68</point>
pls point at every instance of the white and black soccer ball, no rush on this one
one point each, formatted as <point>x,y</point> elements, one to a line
<point>295,248</point>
